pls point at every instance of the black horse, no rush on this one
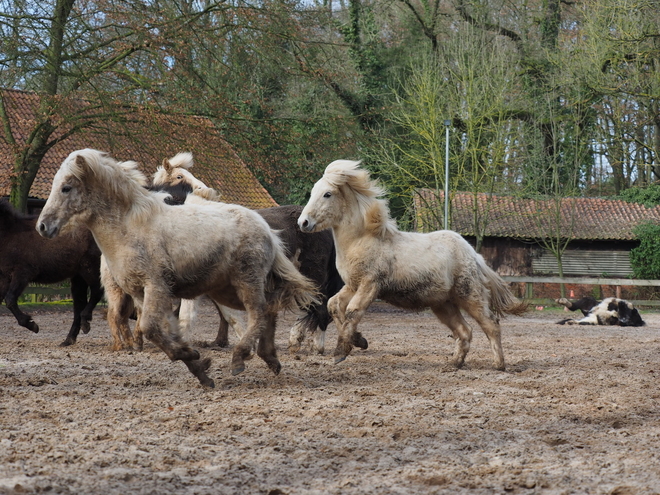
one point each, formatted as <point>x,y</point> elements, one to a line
<point>26,257</point>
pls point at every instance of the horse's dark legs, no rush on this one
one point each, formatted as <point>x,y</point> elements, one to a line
<point>449,314</point>
<point>347,309</point>
<point>155,320</point>
<point>95,294</point>
<point>14,290</point>
<point>79,295</point>
<point>315,322</point>
<point>304,325</point>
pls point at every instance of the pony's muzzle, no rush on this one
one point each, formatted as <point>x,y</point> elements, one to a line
<point>47,231</point>
<point>306,225</point>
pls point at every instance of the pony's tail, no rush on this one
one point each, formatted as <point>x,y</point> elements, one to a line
<point>291,289</point>
<point>502,301</point>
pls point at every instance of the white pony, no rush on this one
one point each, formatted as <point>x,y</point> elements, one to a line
<point>439,270</point>
<point>155,251</point>
<point>175,172</point>
<point>313,255</point>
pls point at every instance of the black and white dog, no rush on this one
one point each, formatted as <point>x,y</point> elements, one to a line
<point>610,311</point>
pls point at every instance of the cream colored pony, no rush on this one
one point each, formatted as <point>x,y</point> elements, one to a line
<point>155,251</point>
<point>172,173</point>
<point>313,255</point>
<point>439,270</point>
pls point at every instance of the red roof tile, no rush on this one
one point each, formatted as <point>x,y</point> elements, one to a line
<point>581,218</point>
<point>148,139</point>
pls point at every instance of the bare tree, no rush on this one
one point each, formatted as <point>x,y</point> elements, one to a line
<point>68,50</point>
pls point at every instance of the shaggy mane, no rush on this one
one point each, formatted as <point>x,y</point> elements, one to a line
<point>123,179</point>
<point>375,211</point>
<point>183,160</point>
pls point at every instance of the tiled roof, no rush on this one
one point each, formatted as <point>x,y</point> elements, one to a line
<point>148,139</point>
<point>581,218</point>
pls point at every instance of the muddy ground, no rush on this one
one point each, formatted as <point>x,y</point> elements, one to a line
<point>576,411</point>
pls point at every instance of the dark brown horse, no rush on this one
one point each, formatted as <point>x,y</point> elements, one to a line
<point>27,257</point>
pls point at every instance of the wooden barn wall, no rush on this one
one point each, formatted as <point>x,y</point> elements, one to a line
<point>512,257</point>
<point>508,257</point>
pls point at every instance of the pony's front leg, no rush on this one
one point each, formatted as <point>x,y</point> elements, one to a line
<point>353,313</point>
<point>120,305</point>
<point>337,305</point>
<point>160,326</point>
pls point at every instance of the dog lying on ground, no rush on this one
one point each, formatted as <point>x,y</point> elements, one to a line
<point>610,311</point>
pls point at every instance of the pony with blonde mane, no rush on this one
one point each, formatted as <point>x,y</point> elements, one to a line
<point>155,252</point>
<point>314,255</point>
<point>438,270</point>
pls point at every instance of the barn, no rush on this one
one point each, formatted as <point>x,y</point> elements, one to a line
<point>147,138</point>
<point>598,232</point>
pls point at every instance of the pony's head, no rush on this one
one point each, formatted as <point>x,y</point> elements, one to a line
<point>90,180</point>
<point>345,190</point>
<point>175,171</point>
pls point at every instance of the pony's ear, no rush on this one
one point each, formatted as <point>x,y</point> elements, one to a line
<point>82,167</point>
<point>167,165</point>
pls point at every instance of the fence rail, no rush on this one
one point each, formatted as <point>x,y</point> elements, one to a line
<point>618,282</point>
<point>584,281</point>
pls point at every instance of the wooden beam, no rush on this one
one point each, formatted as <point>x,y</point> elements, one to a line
<point>584,281</point>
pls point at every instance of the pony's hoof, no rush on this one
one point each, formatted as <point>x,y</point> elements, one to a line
<point>237,370</point>
<point>275,367</point>
<point>207,382</point>
<point>85,327</point>
<point>219,343</point>
<point>67,343</point>
<point>294,348</point>
<point>187,354</point>
<point>339,359</point>
<point>199,367</point>
<point>361,342</point>
<point>32,326</point>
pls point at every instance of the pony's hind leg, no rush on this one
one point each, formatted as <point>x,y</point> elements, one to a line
<point>256,328</point>
<point>489,324</point>
<point>449,314</point>
<point>266,348</point>
<point>160,326</point>
<point>79,295</point>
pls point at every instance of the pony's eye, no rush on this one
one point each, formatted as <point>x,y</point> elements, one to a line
<point>66,189</point>
<point>327,195</point>
<point>179,177</point>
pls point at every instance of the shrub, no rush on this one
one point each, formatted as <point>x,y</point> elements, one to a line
<point>645,259</point>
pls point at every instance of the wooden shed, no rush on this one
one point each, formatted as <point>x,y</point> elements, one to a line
<point>147,137</point>
<point>599,231</point>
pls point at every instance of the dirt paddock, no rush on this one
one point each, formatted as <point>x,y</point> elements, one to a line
<point>576,411</point>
